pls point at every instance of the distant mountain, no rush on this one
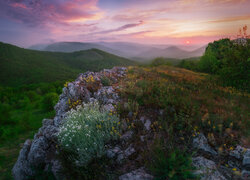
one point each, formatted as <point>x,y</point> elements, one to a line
<point>126,48</point>
<point>171,52</point>
<point>22,66</point>
<point>118,48</point>
<point>39,47</point>
<point>135,51</point>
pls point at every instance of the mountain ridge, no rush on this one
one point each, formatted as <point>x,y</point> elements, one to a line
<point>129,50</point>
<point>22,66</point>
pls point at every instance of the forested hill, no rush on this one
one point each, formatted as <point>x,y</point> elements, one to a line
<point>22,66</point>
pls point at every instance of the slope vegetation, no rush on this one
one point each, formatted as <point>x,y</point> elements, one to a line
<point>21,66</point>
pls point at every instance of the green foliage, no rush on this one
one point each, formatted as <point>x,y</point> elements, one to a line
<point>49,101</point>
<point>228,60</point>
<point>170,164</point>
<point>191,64</point>
<point>22,111</point>
<point>161,61</point>
<point>105,81</point>
<point>23,108</point>
<point>22,66</point>
<point>84,134</point>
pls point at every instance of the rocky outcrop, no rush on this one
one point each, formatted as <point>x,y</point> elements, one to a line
<point>39,155</point>
<point>207,169</point>
<point>236,161</point>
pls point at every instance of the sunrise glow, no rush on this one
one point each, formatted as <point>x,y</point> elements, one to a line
<point>159,22</point>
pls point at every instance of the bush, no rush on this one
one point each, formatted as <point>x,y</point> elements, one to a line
<point>85,132</point>
<point>105,81</point>
<point>230,61</point>
<point>49,101</point>
<point>161,61</point>
<point>174,165</point>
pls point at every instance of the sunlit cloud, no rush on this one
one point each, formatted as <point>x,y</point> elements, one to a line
<point>145,21</point>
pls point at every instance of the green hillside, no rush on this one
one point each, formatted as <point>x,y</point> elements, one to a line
<point>22,66</point>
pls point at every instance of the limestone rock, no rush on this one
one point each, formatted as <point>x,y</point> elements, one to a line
<point>237,152</point>
<point>111,153</point>
<point>138,174</point>
<point>21,169</point>
<point>200,142</point>
<point>147,124</point>
<point>207,169</point>
<point>41,152</point>
<point>246,160</point>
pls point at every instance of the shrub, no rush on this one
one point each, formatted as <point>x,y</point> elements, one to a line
<point>49,101</point>
<point>172,165</point>
<point>85,132</point>
<point>105,81</point>
<point>160,61</point>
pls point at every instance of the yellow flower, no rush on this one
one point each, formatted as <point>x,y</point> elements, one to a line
<point>231,148</point>
<point>234,169</point>
<point>238,173</point>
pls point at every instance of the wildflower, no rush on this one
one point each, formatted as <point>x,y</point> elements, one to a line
<point>231,148</point>
<point>234,169</point>
<point>220,149</point>
<point>238,173</point>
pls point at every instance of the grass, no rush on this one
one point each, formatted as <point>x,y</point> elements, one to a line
<point>192,103</point>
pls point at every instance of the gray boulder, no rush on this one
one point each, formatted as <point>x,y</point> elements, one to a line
<point>237,152</point>
<point>200,143</point>
<point>138,174</point>
<point>21,169</point>
<point>246,160</point>
<point>206,169</point>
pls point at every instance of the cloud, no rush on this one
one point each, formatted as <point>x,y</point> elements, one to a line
<point>231,19</point>
<point>124,27</point>
<point>49,12</point>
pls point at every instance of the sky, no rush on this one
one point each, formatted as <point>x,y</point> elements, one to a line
<point>29,22</point>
